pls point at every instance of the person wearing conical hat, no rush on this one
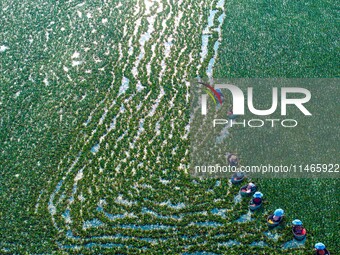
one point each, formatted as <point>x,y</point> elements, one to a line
<point>298,228</point>
<point>278,213</point>
<point>257,198</point>
<point>251,187</point>
<point>320,249</point>
<point>233,160</point>
<point>238,175</point>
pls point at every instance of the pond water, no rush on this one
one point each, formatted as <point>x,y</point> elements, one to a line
<point>157,215</point>
<point>211,17</point>
<point>274,236</point>
<point>237,198</point>
<point>259,244</point>
<point>91,245</point>
<point>66,215</point>
<point>173,206</point>
<point>95,148</point>
<point>94,223</point>
<point>204,50</point>
<point>294,244</point>
<point>212,60</point>
<point>3,48</point>
<point>220,212</point>
<point>207,224</point>
<point>124,86</point>
<point>245,218</point>
<point>200,253</point>
<point>223,134</point>
<point>229,243</point>
<point>220,4</point>
<point>145,227</point>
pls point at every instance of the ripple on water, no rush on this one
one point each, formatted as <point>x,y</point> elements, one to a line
<point>94,223</point>
<point>207,224</point>
<point>145,227</point>
<point>91,245</point>
<point>3,48</point>
<point>204,50</point>
<point>259,244</point>
<point>294,244</point>
<point>69,234</point>
<point>211,17</point>
<point>200,253</point>
<point>223,134</point>
<point>157,215</point>
<point>220,212</point>
<point>220,4</point>
<point>273,236</point>
<point>95,148</point>
<point>173,206</point>
<point>245,218</point>
<point>124,86</point>
<point>67,216</point>
<point>237,198</point>
<point>229,243</point>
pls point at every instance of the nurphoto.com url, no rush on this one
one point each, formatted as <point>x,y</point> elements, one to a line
<point>268,168</point>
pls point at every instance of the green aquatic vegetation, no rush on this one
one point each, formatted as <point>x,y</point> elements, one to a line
<point>52,125</point>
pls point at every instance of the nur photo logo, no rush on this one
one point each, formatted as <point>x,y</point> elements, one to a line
<point>285,96</point>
